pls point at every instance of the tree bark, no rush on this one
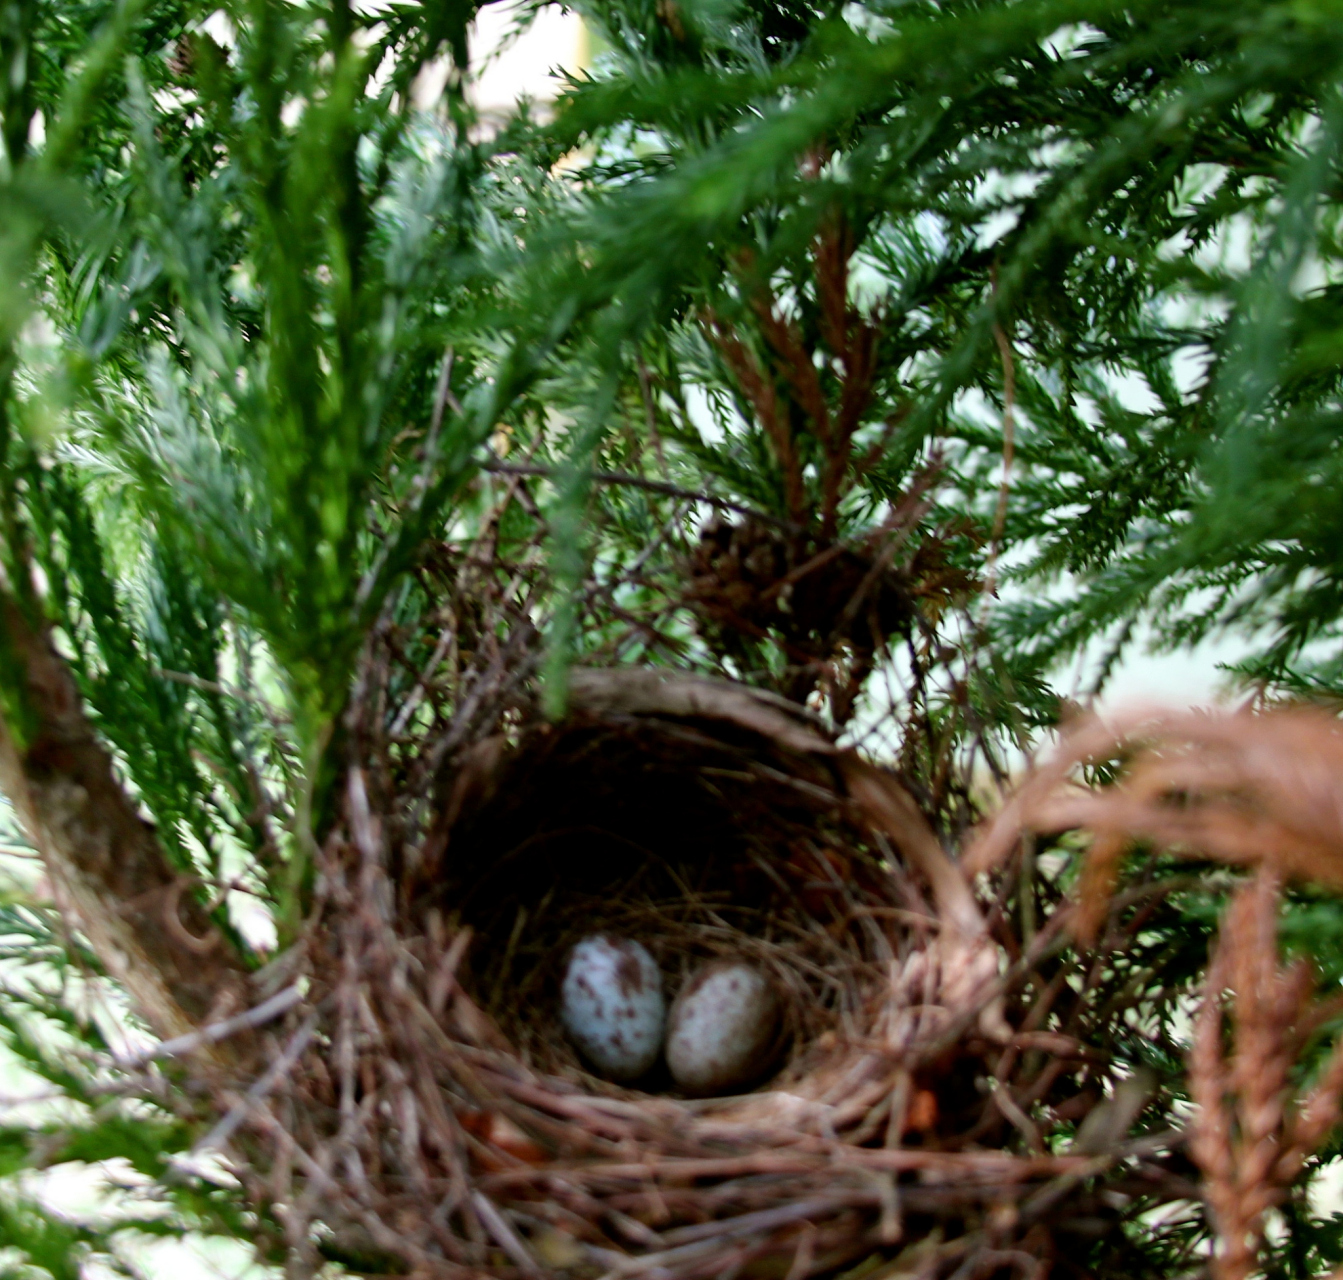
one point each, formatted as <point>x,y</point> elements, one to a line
<point>108,871</point>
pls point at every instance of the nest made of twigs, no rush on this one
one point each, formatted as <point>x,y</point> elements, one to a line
<point>700,845</point>
<point>442,1124</point>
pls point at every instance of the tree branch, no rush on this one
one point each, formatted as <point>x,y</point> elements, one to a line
<point>496,467</point>
<point>104,860</point>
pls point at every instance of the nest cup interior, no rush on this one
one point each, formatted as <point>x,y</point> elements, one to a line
<point>699,842</point>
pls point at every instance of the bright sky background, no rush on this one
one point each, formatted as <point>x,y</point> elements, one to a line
<point>527,66</point>
<point>1188,678</point>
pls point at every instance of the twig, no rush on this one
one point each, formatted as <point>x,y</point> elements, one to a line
<point>1009,454</point>
<point>225,690</point>
<point>443,396</point>
<point>422,683</point>
<point>646,388</point>
<point>254,1096</point>
<point>266,1011</point>
<point>641,482</point>
<point>504,1235</point>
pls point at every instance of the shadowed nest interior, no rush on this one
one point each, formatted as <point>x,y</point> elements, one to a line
<point>700,842</point>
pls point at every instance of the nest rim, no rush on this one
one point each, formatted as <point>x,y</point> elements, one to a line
<point>422,1100</point>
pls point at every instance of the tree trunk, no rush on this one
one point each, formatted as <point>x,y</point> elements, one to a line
<point>107,869</point>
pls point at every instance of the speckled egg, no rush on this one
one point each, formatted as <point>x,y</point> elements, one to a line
<point>611,1005</point>
<point>723,1029</point>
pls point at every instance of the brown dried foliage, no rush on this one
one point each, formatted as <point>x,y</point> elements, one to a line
<point>1254,1133</point>
<point>834,607</point>
<point>1240,788</point>
<point>1264,790</point>
<point>787,392</point>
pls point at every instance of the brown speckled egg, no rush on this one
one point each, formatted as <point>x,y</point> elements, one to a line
<point>612,1006</point>
<point>723,1029</point>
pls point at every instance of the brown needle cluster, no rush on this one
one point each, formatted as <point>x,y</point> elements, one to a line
<point>1254,1131</point>
<point>1264,790</point>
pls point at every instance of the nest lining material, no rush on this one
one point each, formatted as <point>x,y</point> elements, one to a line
<point>700,847</point>
<point>444,1125</point>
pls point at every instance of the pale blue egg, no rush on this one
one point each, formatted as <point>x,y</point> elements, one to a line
<point>611,1005</point>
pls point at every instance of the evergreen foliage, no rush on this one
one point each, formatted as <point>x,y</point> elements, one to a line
<point>1058,282</point>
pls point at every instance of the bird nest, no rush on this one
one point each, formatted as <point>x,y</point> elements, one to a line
<point>702,836</point>
<point>423,1111</point>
